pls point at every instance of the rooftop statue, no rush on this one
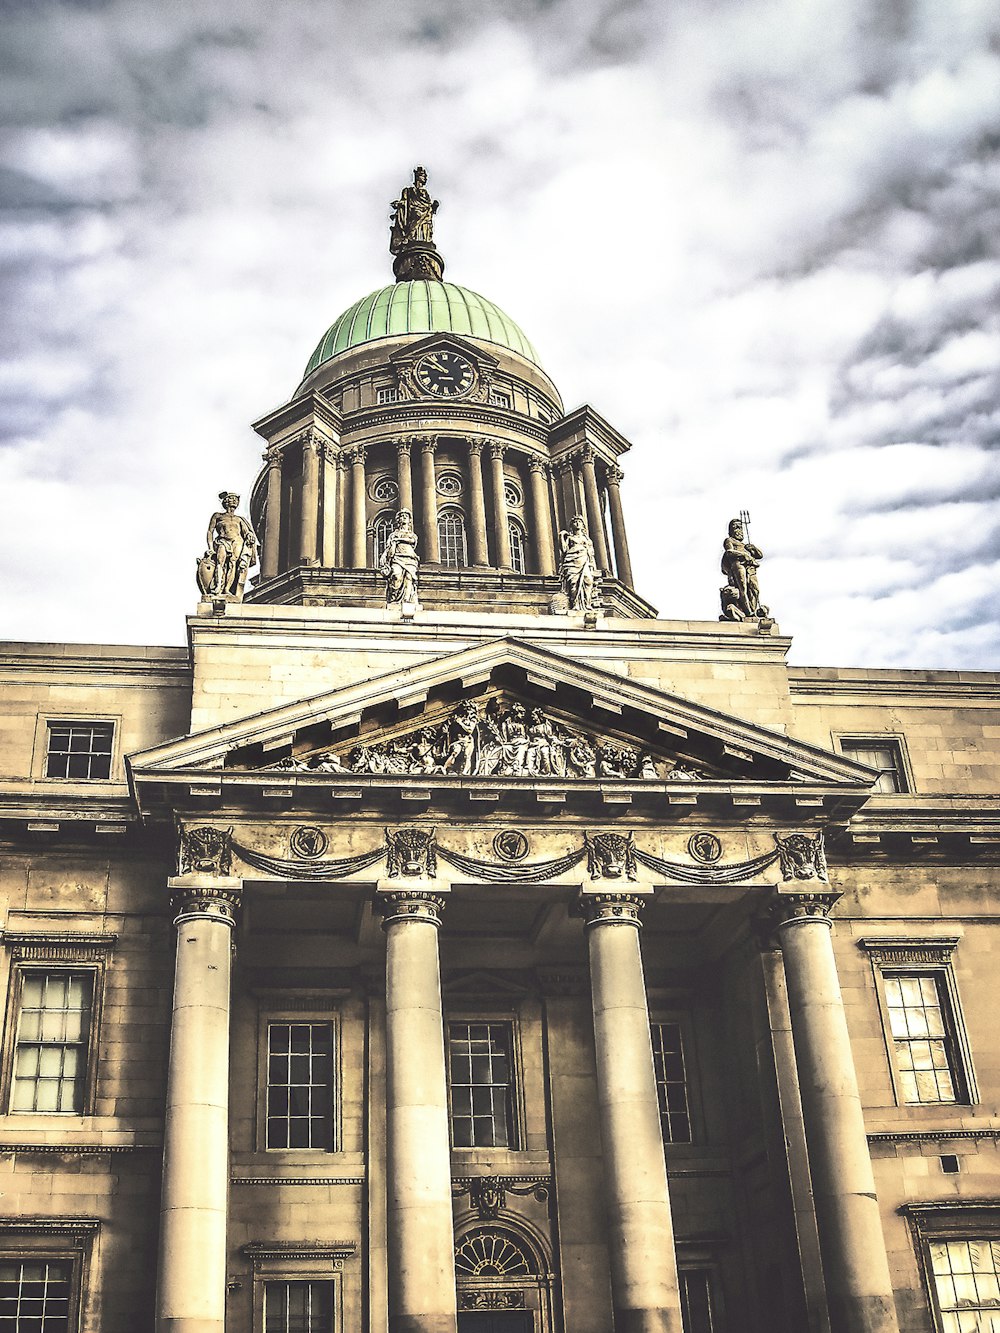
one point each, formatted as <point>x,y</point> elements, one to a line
<point>740,560</point>
<point>578,567</point>
<point>411,238</point>
<point>230,550</point>
<point>400,563</point>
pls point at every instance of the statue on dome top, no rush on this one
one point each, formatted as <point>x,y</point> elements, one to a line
<point>411,238</point>
<point>230,550</point>
<point>740,596</point>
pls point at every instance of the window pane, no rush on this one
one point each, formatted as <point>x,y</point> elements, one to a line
<point>451,538</point>
<point>671,1082</point>
<point>696,1301</point>
<point>923,1039</point>
<point>79,749</point>
<point>967,1284</point>
<point>298,1307</point>
<point>53,1034</point>
<point>35,1296</point>
<point>482,1089</point>
<point>882,754</point>
<point>299,1103</point>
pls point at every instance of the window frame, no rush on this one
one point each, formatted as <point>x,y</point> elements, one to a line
<point>899,956</point>
<point>286,1013</point>
<point>516,529</point>
<point>664,1013</point>
<point>46,954</point>
<point>675,1020</point>
<point>452,511</point>
<point>54,1240</point>
<point>877,741</point>
<point>947,1220</point>
<point>517,1129</point>
<point>297,1261</point>
<point>40,759</point>
<point>386,394</point>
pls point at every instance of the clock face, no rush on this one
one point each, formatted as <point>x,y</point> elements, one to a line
<point>445,374</point>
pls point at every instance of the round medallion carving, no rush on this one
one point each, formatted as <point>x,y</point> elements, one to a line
<point>511,845</point>
<point>705,847</point>
<point>449,484</point>
<point>308,842</point>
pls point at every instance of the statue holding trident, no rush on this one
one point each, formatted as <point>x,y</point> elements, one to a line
<point>230,550</point>
<point>400,564</point>
<point>411,238</point>
<point>740,560</point>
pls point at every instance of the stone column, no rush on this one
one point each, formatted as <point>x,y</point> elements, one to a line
<point>541,515</point>
<point>644,1283</point>
<point>478,550</point>
<point>567,488</point>
<point>328,556</point>
<point>309,526</point>
<point>595,519</point>
<point>428,506</point>
<point>623,565</point>
<point>272,521</point>
<point>191,1280</point>
<point>421,1239</point>
<point>501,525</point>
<point>855,1266</point>
<point>359,505</point>
<point>404,475</point>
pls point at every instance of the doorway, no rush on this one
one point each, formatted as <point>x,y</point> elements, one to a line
<point>495,1321</point>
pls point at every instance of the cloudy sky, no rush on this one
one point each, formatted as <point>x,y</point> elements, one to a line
<point>759,236</point>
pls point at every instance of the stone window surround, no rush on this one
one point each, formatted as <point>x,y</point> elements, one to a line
<point>310,1009</point>
<point>53,1239</point>
<point>665,1013</point>
<point>291,1261</point>
<point>876,740</point>
<point>942,1220</point>
<point>704,1256</point>
<point>49,952</point>
<point>40,749</point>
<point>485,1013</point>
<point>931,954</point>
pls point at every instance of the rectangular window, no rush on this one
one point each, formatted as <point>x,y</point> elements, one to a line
<point>299,1086</point>
<point>53,1042</point>
<point>696,1300</point>
<point>35,1295</point>
<point>966,1277</point>
<point>671,1082</point>
<point>482,1085</point>
<point>386,395</point>
<point>79,750</point>
<point>922,1037</point>
<point>297,1307</point>
<point>499,399</point>
<point>882,753</point>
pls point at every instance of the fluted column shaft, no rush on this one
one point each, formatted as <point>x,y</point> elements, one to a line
<point>644,1283</point>
<point>309,519</point>
<point>595,519</point>
<point>328,553</point>
<point>272,519</point>
<point>501,523</point>
<point>541,516</point>
<point>404,475</point>
<point>359,505</point>
<point>855,1266</point>
<point>623,563</point>
<point>418,1167</point>
<point>478,548</point>
<point>566,471</point>
<point>428,506</point>
<point>191,1279</point>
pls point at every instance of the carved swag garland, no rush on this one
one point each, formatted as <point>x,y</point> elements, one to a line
<point>412,853</point>
<point>498,741</point>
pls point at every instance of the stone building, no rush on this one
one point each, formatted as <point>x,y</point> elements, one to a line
<point>501,955</point>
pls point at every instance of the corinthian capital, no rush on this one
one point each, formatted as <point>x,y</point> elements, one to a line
<point>497,450</point>
<point>586,454</point>
<point>412,904</point>
<point>610,909</point>
<point>789,909</point>
<point>536,464</point>
<point>614,475</point>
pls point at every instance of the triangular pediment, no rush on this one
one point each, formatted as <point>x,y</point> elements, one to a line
<point>505,711</point>
<point>434,342</point>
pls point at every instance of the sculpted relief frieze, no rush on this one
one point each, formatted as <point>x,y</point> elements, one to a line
<point>498,739</point>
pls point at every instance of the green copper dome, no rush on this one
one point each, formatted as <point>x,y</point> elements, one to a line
<point>420,307</point>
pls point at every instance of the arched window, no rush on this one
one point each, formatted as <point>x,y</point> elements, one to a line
<point>518,548</point>
<point>451,538</point>
<point>380,533</point>
<point>489,1252</point>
